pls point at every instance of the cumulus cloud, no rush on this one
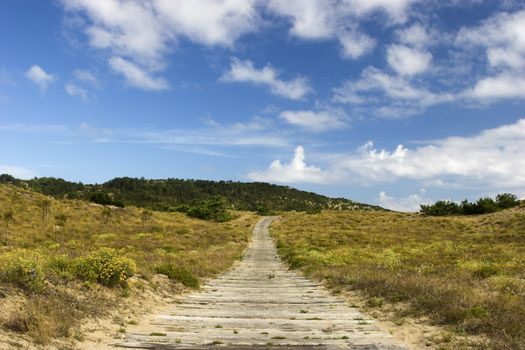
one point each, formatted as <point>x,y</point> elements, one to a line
<point>316,120</point>
<point>143,32</point>
<point>502,37</point>
<point>137,77</point>
<point>338,19</point>
<point>245,72</point>
<point>501,86</point>
<point>17,171</point>
<point>410,203</point>
<point>40,77</point>
<point>75,90</point>
<point>296,171</point>
<point>408,61</point>
<point>415,35</point>
<point>389,93</point>
<point>493,158</point>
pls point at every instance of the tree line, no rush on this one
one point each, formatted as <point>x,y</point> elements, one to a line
<point>481,206</point>
<point>167,194</point>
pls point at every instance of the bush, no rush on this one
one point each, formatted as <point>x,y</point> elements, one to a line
<point>22,267</point>
<point>62,266</point>
<point>178,274</point>
<point>481,206</point>
<point>211,209</point>
<point>105,199</point>
<point>105,267</point>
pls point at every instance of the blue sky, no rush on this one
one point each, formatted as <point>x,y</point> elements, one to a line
<point>393,102</point>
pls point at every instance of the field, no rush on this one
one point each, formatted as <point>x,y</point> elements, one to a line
<point>62,261</point>
<point>464,272</point>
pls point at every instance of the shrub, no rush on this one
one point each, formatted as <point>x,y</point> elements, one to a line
<point>481,206</point>
<point>178,274</point>
<point>22,267</point>
<point>105,199</point>
<point>211,209</point>
<point>105,267</point>
<point>62,266</point>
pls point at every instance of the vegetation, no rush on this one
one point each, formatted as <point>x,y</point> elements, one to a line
<point>464,271</point>
<point>481,206</point>
<point>69,257</point>
<point>167,194</point>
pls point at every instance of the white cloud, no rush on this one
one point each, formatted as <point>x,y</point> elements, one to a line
<point>408,61</point>
<point>416,35</point>
<point>209,22</point>
<point>355,44</point>
<point>338,19</point>
<point>386,93</point>
<point>146,30</point>
<point>316,120</point>
<point>244,71</point>
<point>40,77</point>
<point>297,171</point>
<point>504,85</point>
<point>137,77</point>
<point>141,33</point>
<point>75,90</point>
<point>493,158</point>
<point>85,76</point>
<point>503,39</point>
<point>410,203</point>
<point>16,171</point>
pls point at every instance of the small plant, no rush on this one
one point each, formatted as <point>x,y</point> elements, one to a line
<point>178,274</point>
<point>157,334</point>
<point>22,267</point>
<point>105,267</point>
<point>375,302</point>
<point>218,326</point>
<point>271,275</point>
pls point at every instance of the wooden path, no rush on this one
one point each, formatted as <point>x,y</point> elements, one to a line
<point>261,304</point>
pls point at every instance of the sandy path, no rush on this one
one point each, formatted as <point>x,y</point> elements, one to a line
<point>260,303</point>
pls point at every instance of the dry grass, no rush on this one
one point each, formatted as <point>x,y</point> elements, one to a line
<point>467,272</point>
<point>40,255</point>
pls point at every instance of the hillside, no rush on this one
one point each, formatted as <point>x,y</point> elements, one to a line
<point>463,271</point>
<point>170,193</point>
<point>62,261</point>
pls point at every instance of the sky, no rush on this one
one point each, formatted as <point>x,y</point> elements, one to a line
<point>390,102</point>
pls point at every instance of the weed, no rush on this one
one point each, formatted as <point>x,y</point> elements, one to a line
<point>178,274</point>
<point>158,334</point>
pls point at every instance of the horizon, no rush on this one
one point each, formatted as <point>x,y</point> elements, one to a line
<point>391,103</point>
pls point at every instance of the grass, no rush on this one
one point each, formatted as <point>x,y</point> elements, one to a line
<point>467,272</point>
<point>68,270</point>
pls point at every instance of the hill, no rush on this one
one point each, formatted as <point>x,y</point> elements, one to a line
<point>170,193</point>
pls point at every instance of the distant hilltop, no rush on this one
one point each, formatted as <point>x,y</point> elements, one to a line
<point>169,194</point>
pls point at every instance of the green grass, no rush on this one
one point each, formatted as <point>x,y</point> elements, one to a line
<point>69,269</point>
<point>466,272</point>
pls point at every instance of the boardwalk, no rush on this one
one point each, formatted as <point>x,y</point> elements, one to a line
<point>260,304</point>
